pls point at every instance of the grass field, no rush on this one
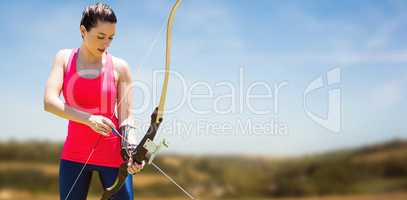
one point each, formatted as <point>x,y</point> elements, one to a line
<point>376,172</point>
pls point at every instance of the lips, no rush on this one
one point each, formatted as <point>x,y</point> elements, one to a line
<point>101,50</point>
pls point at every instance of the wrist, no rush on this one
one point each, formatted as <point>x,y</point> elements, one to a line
<point>88,119</point>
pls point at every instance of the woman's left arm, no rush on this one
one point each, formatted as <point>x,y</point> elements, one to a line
<point>125,95</point>
<point>124,91</point>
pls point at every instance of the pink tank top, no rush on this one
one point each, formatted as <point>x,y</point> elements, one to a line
<point>96,96</point>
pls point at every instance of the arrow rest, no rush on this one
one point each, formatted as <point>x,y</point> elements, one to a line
<point>153,149</point>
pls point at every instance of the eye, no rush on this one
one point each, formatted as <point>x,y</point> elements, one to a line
<point>110,38</point>
<point>100,38</point>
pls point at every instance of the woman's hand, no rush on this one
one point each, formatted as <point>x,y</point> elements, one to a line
<point>100,124</point>
<point>134,167</point>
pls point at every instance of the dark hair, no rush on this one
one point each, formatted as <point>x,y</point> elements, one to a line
<point>97,12</point>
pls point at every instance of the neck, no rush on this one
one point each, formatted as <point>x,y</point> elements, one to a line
<point>86,56</point>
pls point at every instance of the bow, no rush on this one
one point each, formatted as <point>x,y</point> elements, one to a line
<point>146,150</point>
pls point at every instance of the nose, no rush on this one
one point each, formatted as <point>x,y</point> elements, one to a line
<point>106,44</point>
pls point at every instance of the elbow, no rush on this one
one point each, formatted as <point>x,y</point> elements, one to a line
<point>47,104</point>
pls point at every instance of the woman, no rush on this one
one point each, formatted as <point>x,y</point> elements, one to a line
<point>92,82</point>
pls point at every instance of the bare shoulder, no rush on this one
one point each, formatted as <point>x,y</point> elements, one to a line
<point>121,66</point>
<point>62,56</point>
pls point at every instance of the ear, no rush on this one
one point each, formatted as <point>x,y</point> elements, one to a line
<point>83,31</point>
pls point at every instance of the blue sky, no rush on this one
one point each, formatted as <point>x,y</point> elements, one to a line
<point>272,42</point>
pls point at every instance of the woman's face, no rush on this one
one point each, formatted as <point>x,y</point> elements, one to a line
<point>98,39</point>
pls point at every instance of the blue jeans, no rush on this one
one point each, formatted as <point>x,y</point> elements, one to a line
<point>69,171</point>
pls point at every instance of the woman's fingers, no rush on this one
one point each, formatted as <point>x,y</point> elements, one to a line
<point>102,131</point>
<point>108,123</point>
<point>130,167</point>
<point>105,128</point>
<point>133,167</point>
<point>101,124</point>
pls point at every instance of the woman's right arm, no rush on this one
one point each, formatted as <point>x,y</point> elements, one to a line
<point>55,105</point>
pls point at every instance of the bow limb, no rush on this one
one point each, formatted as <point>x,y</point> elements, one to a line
<point>118,183</point>
<point>167,61</point>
